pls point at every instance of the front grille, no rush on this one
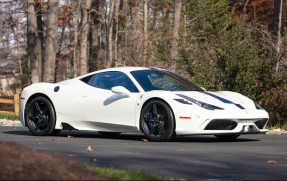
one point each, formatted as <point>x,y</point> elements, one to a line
<point>221,124</point>
<point>261,123</point>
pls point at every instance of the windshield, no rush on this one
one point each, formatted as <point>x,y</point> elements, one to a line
<point>163,80</point>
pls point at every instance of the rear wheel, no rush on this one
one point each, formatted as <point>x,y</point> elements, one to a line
<point>227,137</point>
<point>40,117</point>
<point>157,121</point>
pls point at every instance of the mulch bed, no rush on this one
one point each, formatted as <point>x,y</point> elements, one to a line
<point>18,162</point>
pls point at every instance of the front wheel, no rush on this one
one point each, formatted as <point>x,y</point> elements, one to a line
<point>157,121</point>
<point>40,117</point>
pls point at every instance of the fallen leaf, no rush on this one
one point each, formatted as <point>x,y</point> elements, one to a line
<point>90,148</point>
<point>94,160</point>
<point>72,155</point>
<point>70,136</point>
<point>179,150</point>
<point>145,140</point>
<point>8,136</point>
<point>272,161</point>
<point>37,141</point>
<point>55,139</point>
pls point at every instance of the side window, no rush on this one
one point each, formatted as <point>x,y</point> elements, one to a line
<point>107,80</point>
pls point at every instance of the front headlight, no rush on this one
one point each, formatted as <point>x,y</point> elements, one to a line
<point>199,103</point>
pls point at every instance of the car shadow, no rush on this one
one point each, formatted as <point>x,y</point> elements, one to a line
<point>133,137</point>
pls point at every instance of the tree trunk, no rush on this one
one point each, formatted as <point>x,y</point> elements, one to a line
<point>103,30</point>
<point>51,41</point>
<point>145,32</point>
<point>94,36</point>
<point>278,45</point>
<point>70,64</point>
<point>175,36</point>
<point>110,34</point>
<point>40,38</point>
<point>32,43</point>
<point>117,6</point>
<point>84,31</point>
<point>76,33</point>
<point>127,32</point>
<point>136,38</point>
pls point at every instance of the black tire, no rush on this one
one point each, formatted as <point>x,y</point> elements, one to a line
<point>40,117</point>
<point>109,134</point>
<point>157,121</point>
<point>227,137</point>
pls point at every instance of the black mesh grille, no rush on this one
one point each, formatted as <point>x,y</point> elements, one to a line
<point>221,124</point>
<point>261,123</point>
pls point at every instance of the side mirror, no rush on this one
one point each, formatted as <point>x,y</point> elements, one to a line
<point>121,90</point>
<point>203,88</point>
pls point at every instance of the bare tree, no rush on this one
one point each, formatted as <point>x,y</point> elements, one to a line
<point>51,41</point>
<point>32,40</point>
<point>110,34</point>
<point>117,6</point>
<point>84,31</point>
<point>176,24</point>
<point>145,32</point>
<point>39,38</point>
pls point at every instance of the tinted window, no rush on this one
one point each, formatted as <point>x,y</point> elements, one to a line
<point>107,80</point>
<point>87,79</point>
<point>163,80</point>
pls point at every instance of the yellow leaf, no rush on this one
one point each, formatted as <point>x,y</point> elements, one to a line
<point>145,140</point>
<point>70,155</point>
<point>272,161</point>
<point>70,136</point>
<point>94,160</point>
<point>90,148</point>
<point>37,141</point>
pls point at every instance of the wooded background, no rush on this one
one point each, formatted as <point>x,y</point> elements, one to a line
<point>236,45</point>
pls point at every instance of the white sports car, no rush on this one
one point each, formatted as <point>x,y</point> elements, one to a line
<point>157,102</point>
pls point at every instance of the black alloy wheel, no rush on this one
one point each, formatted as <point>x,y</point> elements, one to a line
<point>157,121</point>
<point>40,117</point>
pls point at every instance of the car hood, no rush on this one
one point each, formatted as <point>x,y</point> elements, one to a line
<point>222,99</point>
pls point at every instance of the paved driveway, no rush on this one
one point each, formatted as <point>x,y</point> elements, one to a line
<point>198,157</point>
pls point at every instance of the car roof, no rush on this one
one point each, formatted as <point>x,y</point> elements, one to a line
<point>121,69</point>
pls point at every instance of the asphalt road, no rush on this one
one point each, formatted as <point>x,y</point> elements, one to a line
<point>192,157</point>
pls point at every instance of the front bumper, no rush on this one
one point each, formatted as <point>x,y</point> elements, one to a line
<point>221,122</point>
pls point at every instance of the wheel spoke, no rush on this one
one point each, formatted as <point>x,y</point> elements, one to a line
<point>38,107</point>
<point>147,118</point>
<point>45,110</point>
<point>46,122</point>
<point>161,128</point>
<point>161,117</point>
<point>37,125</point>
<point>154,110</point>
<point>152,129</point>
<point>33,118</point>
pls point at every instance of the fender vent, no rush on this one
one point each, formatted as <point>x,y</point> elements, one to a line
<point>221,124</point>
<point>67,126</point>
<point>261,123</point>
